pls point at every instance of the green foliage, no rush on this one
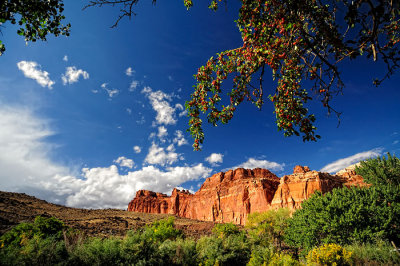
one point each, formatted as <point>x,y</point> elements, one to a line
<point>178,252</point>
<point>162,230</point>
<point>96,251</point>
<point>36,18</point>
<point>329,254</point>
<point>380,171</point>
<point>344,216</point>
<point>269,225</point>
<point>282,259</point>
<point>260,255</point>
<point>232,249</point>
<point>225,229</point>
<point>379,253</point>
<point>42,227</point>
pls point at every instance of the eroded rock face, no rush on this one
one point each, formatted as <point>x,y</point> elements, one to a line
<point>299,186</point>
<point>231,196</point>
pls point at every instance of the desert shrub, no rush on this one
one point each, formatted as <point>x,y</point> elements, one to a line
<point>178,252</point>
<point>380,171</point>
<point>35,251</point>
<point>268,226</point>
<point>225,229</point>
<point>346,215</point>
<point>162,230</point>
<point>232,249</point>
<point>282,259</point>
<point>329,254</point>
<point>379,253</point>
<point>260,255</point>
<point>97,251</point>
<point>41,227</point>
<point>37,243</point>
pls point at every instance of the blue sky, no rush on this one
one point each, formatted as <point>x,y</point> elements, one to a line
<point>89,119</point>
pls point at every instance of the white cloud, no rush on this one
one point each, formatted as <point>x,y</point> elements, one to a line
<point>215,158</point>
<point>33,70</point>
<point>170,78</point>
<point>395,142</point>
<point>179,138</point>
<point>129,71</point>
<point>252,163</point>
<point>25,160</point>
<point>137,149</point>
<point>111,92</point>
<point>26,166</point>
<point>124,162</point>
<point>65,58</point>
<point>345,162</point>
<point>134,84</point>
<point>72,75</point>
<point>162,133</point>
<point>129,111</point>
<point>106,188</point>
<point>160,103</point>
<point>158,155</point>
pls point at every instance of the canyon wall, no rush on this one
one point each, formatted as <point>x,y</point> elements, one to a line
<point>231,196</point>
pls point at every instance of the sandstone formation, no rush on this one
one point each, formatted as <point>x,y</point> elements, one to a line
<point>231,196</point>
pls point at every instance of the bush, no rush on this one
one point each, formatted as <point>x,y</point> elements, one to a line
<point>380,171</point>
<point>233,249</point>
<point>282,259</point>
<point>329,254</point>
<point>260,255</point>
<point>268,226</point>
<point>162,230</point>
<point>178,252</point>
<point>226,229</point>
<point>346,215</point>
<point>381,253</point>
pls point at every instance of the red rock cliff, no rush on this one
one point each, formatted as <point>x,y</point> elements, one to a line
<point>231,196</point>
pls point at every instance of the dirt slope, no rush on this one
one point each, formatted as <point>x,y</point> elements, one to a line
<point>19,207</point>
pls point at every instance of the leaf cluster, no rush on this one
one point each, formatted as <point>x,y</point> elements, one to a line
<point>36,18</point>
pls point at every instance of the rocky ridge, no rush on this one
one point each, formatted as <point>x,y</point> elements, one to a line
<point>231,196</point>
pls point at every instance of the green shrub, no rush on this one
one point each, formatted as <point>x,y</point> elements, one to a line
<point>233,249</point>
<point>260,255</point>
<point>96,251</point>
<point>381,253</point>
<point>35,251</point>
<point>162,230</point>
<point>380,171</point>
<point>282,259</point>
<point>346,215</point>
<point>178,252</point>
<point>329,254</point>
<point>269,226</point>
<point>225,229</point>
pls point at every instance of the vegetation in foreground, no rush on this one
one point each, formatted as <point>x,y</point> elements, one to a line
<point>354,226</point>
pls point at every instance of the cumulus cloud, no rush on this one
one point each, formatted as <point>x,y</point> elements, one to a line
<point>252,163</point>
<point>215,158</point>
<point>161,156</point>
<point>345,162</point>
<point>105,187</point>
<point>26,166</point>
<point>33,70</point>
<point>137,149</point>
<point>129,71</point>
<point>124,162</point>
<point>179,138</point>
<point>162,133</point>
<point>25,160</point>
<point>111,92</point>
<point>160,103</point>
<point>134,84</point>
<point>65,58</point>
<point>72,75</point>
